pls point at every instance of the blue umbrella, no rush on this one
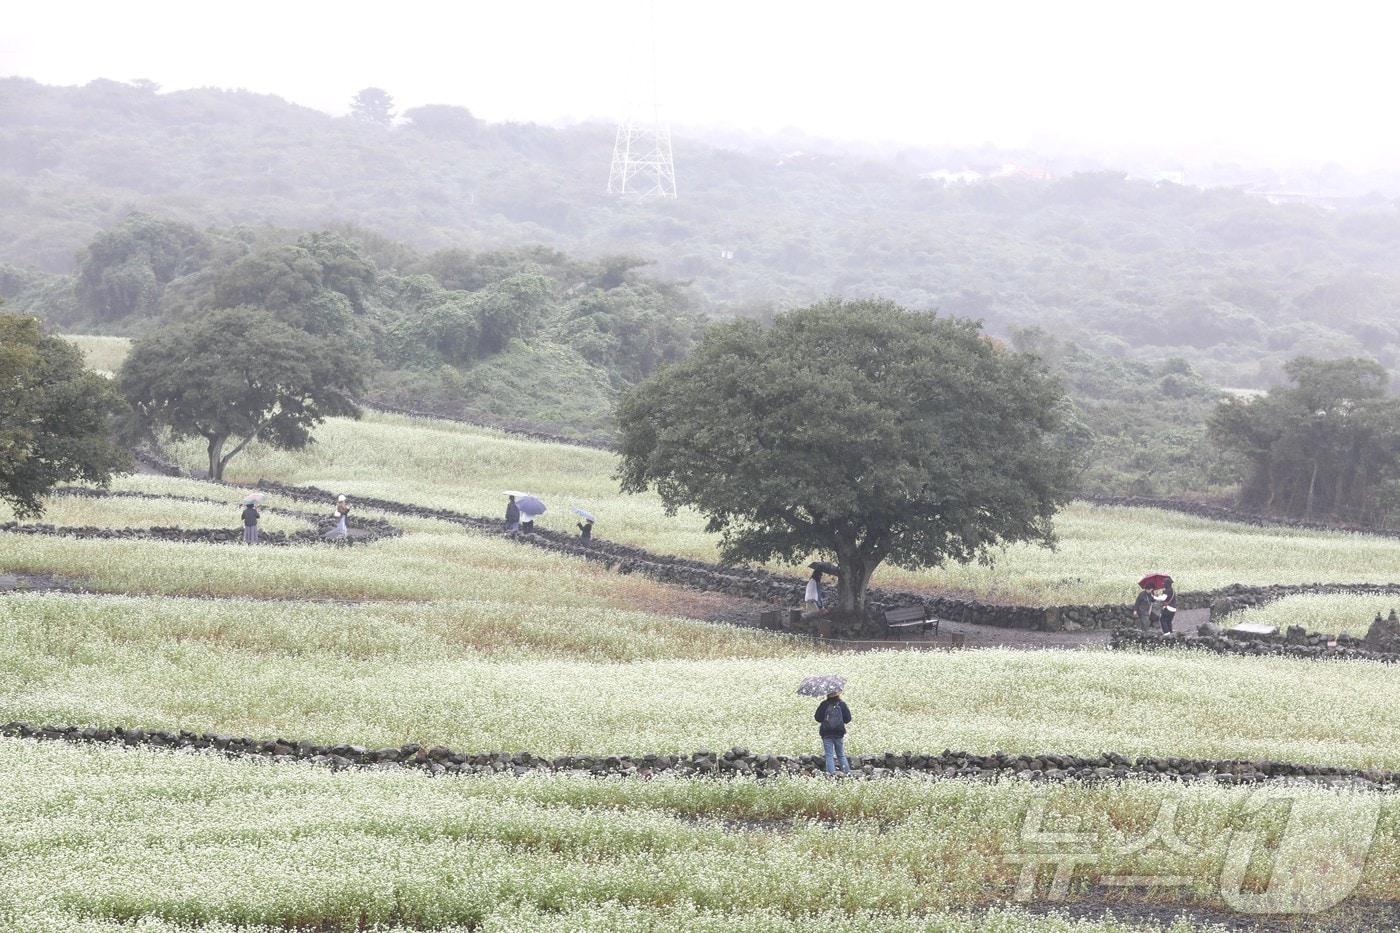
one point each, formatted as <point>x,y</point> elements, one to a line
<point>579,511</point>
<point>530,505</point>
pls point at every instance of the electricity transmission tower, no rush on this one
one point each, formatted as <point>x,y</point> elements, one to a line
<point>642,164</point>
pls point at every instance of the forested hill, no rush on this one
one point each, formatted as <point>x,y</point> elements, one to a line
<point>1136,269</point>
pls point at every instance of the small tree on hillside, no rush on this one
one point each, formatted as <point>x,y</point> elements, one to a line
<point>240,374</point>
<point>857,429</point>
<point>55,417</point>
<point>373,105</point>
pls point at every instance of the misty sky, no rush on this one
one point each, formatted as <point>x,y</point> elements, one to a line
<point>1270,80</point>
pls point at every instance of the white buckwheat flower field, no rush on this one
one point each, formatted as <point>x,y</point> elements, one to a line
<point>448,636</point>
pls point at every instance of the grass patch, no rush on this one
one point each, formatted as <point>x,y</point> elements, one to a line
<point>1333,613</point>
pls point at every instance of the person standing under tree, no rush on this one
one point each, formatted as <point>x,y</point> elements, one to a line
<point>833,714</point>
<point>813,600</point>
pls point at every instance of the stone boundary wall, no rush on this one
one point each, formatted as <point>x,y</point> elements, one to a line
<point>1311,645</point>
<point>373,528</point>
<point>747,582</point>
<point>771,588</point>
<point>733,763</point>
<point>1226,514</point>
<point>781,590</point>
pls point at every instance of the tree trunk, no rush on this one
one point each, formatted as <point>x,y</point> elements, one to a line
<point>1312,485</point>
<point>853,582</point>
<point>216,462</point>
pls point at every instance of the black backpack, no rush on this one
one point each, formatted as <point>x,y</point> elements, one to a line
<point>835,719</point>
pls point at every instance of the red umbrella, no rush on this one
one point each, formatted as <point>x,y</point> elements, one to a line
<point>1155,580</point>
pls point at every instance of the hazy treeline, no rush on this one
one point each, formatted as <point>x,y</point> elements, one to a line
<point>1131,268</point>
<point>527,332</point>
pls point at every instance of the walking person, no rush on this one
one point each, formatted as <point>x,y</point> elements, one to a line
<point>250,522</point>
<point>834,714</point>
<point>813,600</point>
<point>512,515</point>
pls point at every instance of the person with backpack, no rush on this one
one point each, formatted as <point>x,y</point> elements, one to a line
<point>250,522</point>
<point>833,714</point>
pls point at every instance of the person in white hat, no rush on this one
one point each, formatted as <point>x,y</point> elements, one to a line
<point>342,509</point>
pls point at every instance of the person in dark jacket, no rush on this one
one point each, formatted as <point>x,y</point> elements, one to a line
<point>512,515</point>
<point>833,714</point>
<point>1168,617</point>
<point>585,530</point>
<point>250,522</point>
<point>1142,609</point>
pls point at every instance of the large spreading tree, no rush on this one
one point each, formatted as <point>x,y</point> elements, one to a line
<point>240,374</point>
<point>859,430</point>
<point>55,417</point>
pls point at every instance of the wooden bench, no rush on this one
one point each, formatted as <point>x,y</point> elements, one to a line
<point>906,618</point>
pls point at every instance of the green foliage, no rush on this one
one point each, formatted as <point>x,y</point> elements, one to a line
<point>239,374</point>
<point>1327,445</point>
<point>122,271</point>
<point>436,323</point>
<point>1141,424</point>
<point>855,428</point>
<point>55,417</point>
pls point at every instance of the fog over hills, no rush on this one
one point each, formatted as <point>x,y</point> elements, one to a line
<point>1130,266</point>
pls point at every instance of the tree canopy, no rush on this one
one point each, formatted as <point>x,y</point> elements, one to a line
<point>241,374</point>
<point>855,429</point>
<point>1326,445</point>
<point>55,417</point>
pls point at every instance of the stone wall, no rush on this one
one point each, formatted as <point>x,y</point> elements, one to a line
<point>1226,514</point>
<point>1297,643</point>
<point>736,762</point>
<point>366,529</point>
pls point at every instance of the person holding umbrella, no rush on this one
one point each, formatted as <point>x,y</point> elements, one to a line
<point>585,527</point>
<point>251,514</point>
<point>1161,603</point>
<point>512,514</point>
<point>832,715</point>
<point>530,508</point>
